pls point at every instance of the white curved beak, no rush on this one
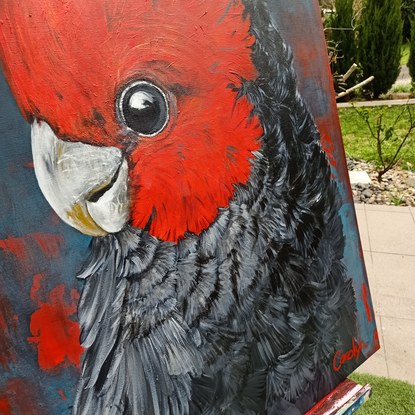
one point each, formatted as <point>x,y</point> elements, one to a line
<point>86,185</point>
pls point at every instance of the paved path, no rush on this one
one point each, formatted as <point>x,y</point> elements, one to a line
<point>387,102</point>
<point>404,77</point>
<point>388,240</point>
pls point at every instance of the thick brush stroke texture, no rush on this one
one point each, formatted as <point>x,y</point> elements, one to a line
<point>195,55</point>
<point>246,317</point>
<point>277,249</point>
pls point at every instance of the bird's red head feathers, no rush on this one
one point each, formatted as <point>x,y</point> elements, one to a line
<point>67,61</point>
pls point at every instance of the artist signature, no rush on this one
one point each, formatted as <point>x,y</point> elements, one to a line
<point>341,358</point>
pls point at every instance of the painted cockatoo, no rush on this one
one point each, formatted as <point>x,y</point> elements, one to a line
<point>172,132</point>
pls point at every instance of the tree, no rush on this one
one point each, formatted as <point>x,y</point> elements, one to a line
<point>379,44</point>
<point>408,14</point>
<point>390,139</point>
<point>342,34</point>
<point>411,61</point>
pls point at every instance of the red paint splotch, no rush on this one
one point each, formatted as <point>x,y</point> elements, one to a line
<point>375,341</point>
<point>49,244</point>
<point>25,249</point>
<point>5,407</point>
<point>8,325</point>
<point>36,286</point>
<point>54,332</point>
<point>62,394</point>
<point>16,246</point>
<point>19,396</point>
<point>365,299</point>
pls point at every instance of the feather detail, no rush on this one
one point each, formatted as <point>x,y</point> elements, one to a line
<point>246,317</point>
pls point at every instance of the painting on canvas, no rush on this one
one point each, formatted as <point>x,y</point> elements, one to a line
<point>177,231</point>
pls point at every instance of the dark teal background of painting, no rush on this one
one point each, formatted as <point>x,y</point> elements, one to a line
<point>24,211</point>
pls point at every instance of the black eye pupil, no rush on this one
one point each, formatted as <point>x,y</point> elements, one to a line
<point>144,108</point>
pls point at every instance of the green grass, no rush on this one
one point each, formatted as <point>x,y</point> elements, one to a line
<point>401,88</point>
<point>389,397</point>
<point>359,143</point>
<point>405,54</point>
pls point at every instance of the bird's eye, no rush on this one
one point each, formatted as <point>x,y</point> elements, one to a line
<point>143,108</point>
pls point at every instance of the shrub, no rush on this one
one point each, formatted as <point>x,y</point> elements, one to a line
<point>411,60</point>
<point>388,139</point>
<point>408,14</point>
<point>379,44</point>
<point>342,34</point>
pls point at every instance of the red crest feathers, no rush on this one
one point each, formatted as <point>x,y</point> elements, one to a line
<point>67,60</point>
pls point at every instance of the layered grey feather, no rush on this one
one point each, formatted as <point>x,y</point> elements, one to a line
<point>246,317</point>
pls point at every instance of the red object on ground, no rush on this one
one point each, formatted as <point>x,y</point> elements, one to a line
<point>343,400</point>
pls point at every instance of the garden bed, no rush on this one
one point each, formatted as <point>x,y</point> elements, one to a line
<point>397,187</point>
